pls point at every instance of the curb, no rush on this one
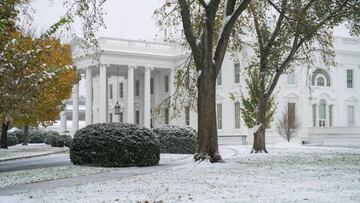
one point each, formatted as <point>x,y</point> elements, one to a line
<point>32,156</point>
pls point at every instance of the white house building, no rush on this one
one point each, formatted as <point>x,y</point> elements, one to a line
<point>138,75</point>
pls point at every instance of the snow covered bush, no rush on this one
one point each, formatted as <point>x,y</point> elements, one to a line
<point>12,139</point>
<point>51,137</point>
<point>37,137</point>
<point>20,135</point>
<point>176,139</point>
<point>115,144</point>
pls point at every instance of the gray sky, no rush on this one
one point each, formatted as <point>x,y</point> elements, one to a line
<point>131,19</point>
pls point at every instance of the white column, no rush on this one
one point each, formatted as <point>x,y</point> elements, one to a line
<point>147,98</point>
<point>130,94</point>
<point>88,96</point>
<point>75,110</point>
<point>103,95</point>
<point>171,93</point>
<point>63,119</point>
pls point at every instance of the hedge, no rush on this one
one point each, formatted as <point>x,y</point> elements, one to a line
<point>115,144</point>
<point>176,139</point>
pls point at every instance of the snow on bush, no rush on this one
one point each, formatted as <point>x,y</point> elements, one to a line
<point>176,139</point>
<point>115,144</point>
<point>19,134</point>
<point>12,139</point>
<point>54,139</point>
<point>37,137</point>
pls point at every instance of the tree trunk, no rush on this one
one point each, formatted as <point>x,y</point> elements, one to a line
<point>259,135</point>
<point>207,129</point>
<point>4,129</point>
<point>26,135</point>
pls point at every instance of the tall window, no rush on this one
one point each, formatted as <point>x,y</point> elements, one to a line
<point>137,87</point>
<point>349,78</point>
<point>137,117</point>
<point>187,81</point>
<point>291,115</point>
<point>320,81</point>
<point>111,91</point>
<point>166,115</point>
<point>291,78</point>
<point>351,115</point>
<point>219,115</point>
<point>121,117</point>
<point>111,117</point>
<point>121,90</point>
<point>330,115</point>
<point>237,72</point>
<point>237,114</point>
<point>187,115</point>
<point>314,115</point>
<point>166,80</point>
<point>219,78</point>
<point>322,113</point>
<point>151,85</point>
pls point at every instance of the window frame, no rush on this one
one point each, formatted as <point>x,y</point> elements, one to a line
<point>237,74</point>
<point>351,79</point>
<point>137,88</point>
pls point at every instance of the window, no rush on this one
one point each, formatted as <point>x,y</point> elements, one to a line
<point>219,78</point>
<point>187,115</point>
<point>121,90</point>
<point>314,114</point>
<point>151,120</point>
<point>121,117</point>
<point>111,117</point>
<point>166,115</point>
<point>320,81</point>
<point>324,75</point>
<point>237,114</point>
<point>349,78</point>
<point>291,78</point>
<point>237,72</point>
<point>111,91</point>
<point>166,80</point>
<point>137,117</point>
<point>151,85</point>
<point>291,115</point>
<point>219,115</point>
<point>351,116</point>
<point>187,81</point>
<point>330,115</point>
<point>137,87</point>
<point>322,113</point>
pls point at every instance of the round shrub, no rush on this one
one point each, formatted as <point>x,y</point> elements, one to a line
<point>67,139</point>
<point>12,139</point>
<point>37,137</point>
<point>51,138</point>
<point>115,144</point>
<point>20,135</point>
<point>176,139</point>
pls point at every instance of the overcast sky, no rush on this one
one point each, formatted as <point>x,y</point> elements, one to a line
<point>131,19</point>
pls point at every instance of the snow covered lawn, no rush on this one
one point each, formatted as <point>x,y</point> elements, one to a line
<point>45,174</point>
<point>20,151</point>
<point>289,173</point>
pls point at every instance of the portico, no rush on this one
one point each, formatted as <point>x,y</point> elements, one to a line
<point>127,79</point>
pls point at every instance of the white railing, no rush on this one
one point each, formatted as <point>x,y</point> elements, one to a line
<point>337,136</point>
<point>106,42</point>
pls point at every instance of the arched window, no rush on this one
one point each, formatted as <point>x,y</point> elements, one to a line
<point>322,113</point>
<point>320,78</point>
<point>320,81</point>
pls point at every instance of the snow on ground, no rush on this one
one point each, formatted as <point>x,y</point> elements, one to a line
<point>289,173</point>
<point>20,151</point>
<point>44,174</point>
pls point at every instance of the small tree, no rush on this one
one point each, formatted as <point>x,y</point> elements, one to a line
<point>288,124</point>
